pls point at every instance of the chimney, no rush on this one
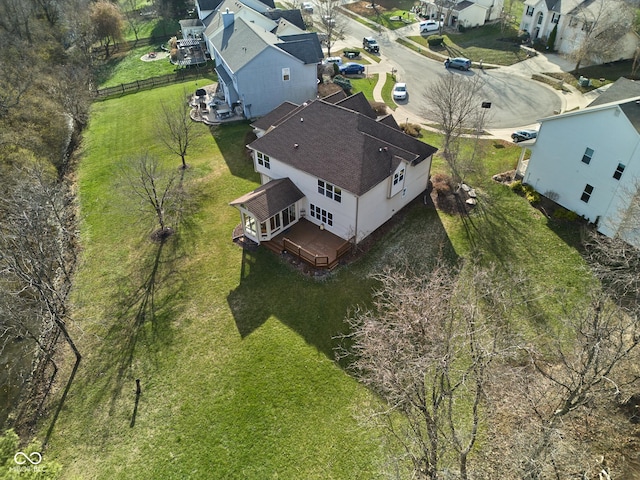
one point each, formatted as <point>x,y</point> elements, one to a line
<point>227,18</point>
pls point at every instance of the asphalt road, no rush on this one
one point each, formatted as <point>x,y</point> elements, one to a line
<point>515,100</point>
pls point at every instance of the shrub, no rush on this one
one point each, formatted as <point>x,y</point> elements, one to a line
<point>379,107</point>
<point>435,41</point>
<point>441,184</point>
<point>526,191</point>
<point>562,213</point>
<point>411,129</point>
<point>517,187</point>
<point>344,83</point>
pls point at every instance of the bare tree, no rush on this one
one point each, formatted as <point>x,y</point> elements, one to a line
<point>107,22</point>
<point>37,257</point>
<point>456,107</point>
<point>176,129</point>
<point>425,347</point>
<point>159,192</point>
<point>332,22</point>
<point>132,16</point>
<point>603,25</point>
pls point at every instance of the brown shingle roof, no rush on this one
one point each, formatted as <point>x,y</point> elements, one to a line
<point>272,118</point>
<point>270,198</point>
<point>358,103</point>
<point>341,146</point>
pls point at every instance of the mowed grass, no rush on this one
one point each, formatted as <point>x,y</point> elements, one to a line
<point>234,349</point>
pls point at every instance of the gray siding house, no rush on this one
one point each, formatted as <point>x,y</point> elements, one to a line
<point>262,58</point>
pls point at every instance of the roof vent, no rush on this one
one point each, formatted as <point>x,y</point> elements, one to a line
<point>295,145</point>
<point>301,119</point>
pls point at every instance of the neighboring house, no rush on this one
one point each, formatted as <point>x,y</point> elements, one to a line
<point>573,18</point>
<point>468,13</point>
<point>332,162</point>
<point>263,55</point>
<point>588,161</point>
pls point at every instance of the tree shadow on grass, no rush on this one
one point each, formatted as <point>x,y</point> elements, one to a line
<point>141,317</point>
<point>316,309</point>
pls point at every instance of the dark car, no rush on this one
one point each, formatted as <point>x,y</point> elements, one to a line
<point>522,135</point>
<point>459,62</point>
<point>351,68</point>
<point>370,45</point>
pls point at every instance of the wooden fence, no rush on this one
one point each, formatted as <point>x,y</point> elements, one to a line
<point>152,82</point>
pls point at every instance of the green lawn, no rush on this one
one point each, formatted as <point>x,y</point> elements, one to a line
<point>234,349</point>
<point>128,67</point>
<point>365,85</point>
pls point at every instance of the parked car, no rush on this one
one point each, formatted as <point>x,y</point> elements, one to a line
<point>522,135</point>
<point>307,7</point>
<point>329,21</point>
<point>336,60</point>
<point>351,68</point>
<point>399,91</point>
<point>429,26</point>
<point>370,45</point>
<point>459,62</point>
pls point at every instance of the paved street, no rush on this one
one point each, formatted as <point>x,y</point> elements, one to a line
<point>516,100</point>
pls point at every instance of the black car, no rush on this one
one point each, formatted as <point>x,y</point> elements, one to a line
<point>370,45</point>
<point>522,135</point>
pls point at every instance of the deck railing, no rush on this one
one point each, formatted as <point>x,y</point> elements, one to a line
<point>304,254</point>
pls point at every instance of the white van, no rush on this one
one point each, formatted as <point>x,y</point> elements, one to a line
<point>336,60</point>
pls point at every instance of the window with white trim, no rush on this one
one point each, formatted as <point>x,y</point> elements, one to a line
<point>619,171</point>
<point>398,176</point>
<point>529,12</point>
<point>555,18</point>
<point>321,214</point>
<point>330,191</point>
<point>586,194</point>
<point>588,154</point>
<point>286,74</point>
<point>263,160</point>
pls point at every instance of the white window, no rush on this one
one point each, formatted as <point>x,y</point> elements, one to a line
<point>330,191</point>
<point>286,74</point>
<point>588,154</point>
<point>618,173</point>
<point>529,11</point>
<point>586,194</point>
<point>263,160</point>
<point>321,214</point>
<point>555,18</point>
<point>398,177</point>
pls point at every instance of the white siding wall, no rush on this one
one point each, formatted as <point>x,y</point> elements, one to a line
<point>375,207</point>
<point>472,16</point>
<point>556,160</point>
<point>343,212</point>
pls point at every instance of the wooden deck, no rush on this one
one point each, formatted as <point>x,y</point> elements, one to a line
<point>305,240</point>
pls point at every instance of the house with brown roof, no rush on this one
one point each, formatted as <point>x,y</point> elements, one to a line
<point>333,164</point>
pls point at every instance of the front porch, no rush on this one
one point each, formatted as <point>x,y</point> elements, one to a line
<point>308,242</point>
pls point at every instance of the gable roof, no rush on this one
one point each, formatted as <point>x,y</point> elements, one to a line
<point>305,47</point>
<point>358,103</point>
<point>291,16</point>
<point>274,116</point>
<point>621,89</point>
<point>270,198</point>
<point>341,146</point>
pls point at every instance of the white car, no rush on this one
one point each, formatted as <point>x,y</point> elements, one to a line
<point>399,91</point>
<point>429,26</point>
<point>307,7</point>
